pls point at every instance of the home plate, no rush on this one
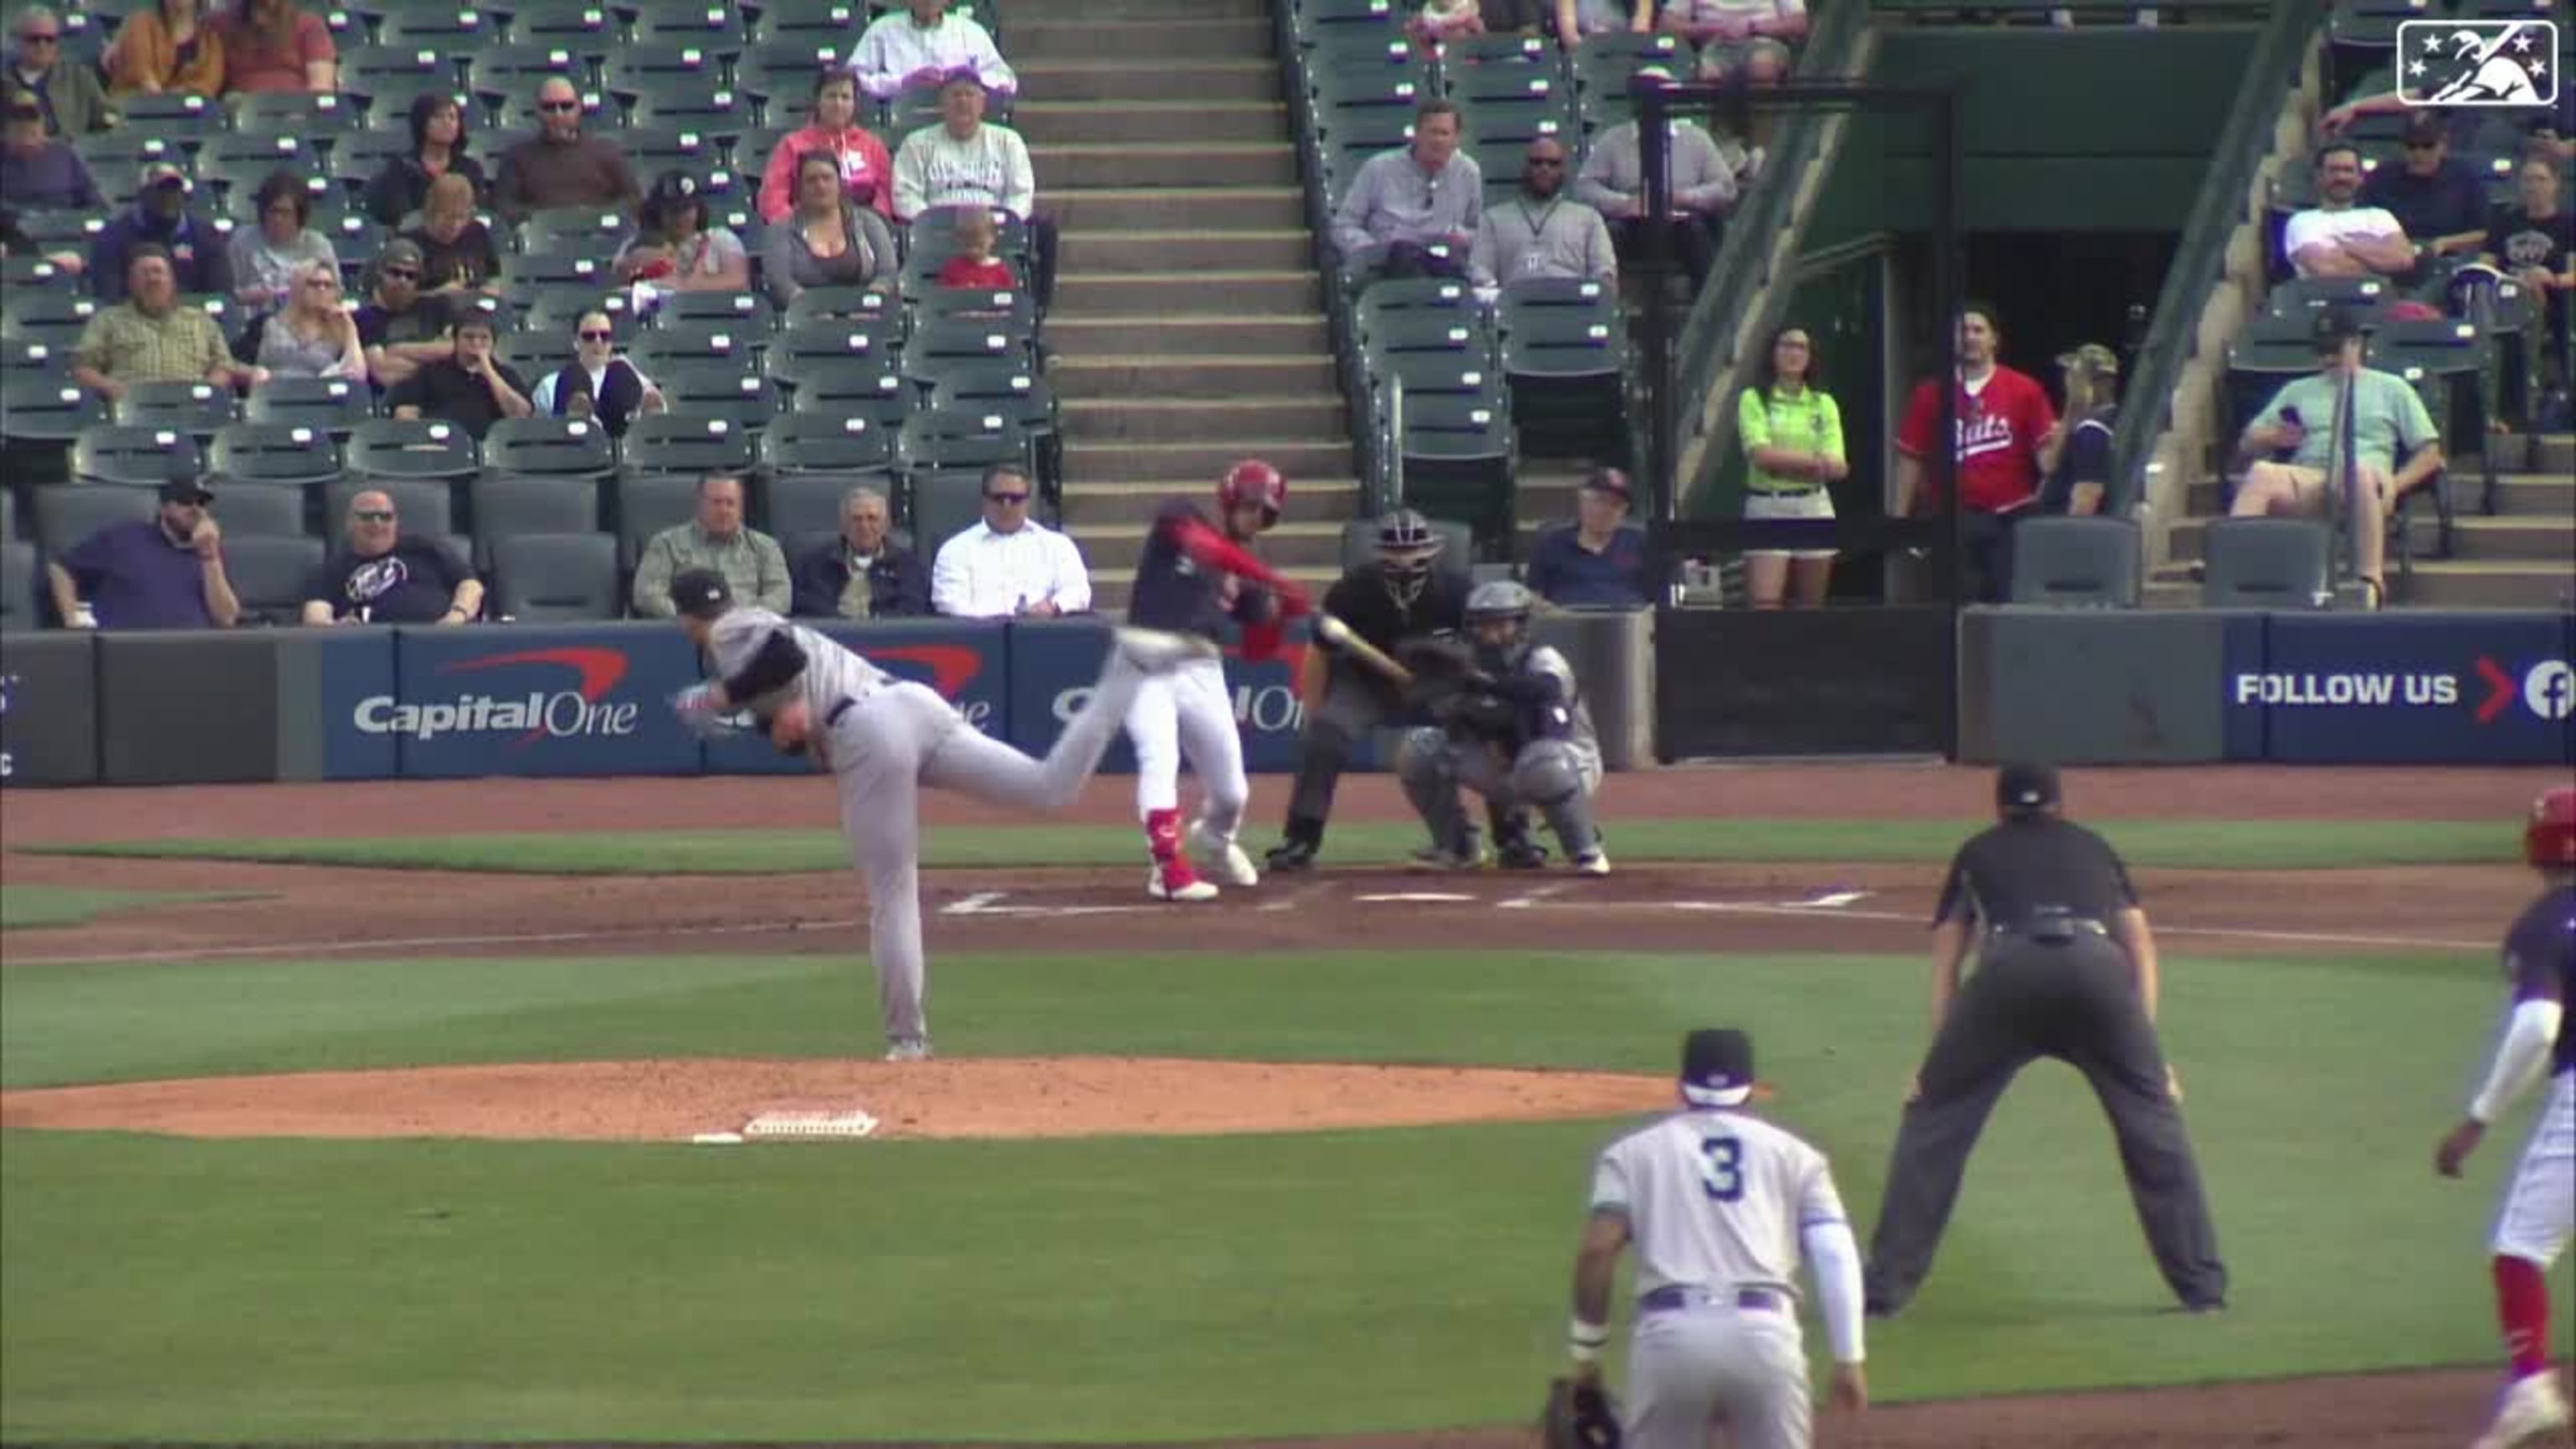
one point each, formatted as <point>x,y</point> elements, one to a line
<point>1836,900</point>
<point>1441,898</point>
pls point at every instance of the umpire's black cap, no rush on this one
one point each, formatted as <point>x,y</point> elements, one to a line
<point>2025,789</point>
<point>700,593</point>
<point>1717,1067</point>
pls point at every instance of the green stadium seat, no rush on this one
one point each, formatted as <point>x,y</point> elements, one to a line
<point>287,455</point>
<point>268,510</point>
<point>548,447</point>
<point>66,513</point>
<point>645,505</point>
<point>135,455</point>
<point>414,449</point>
<point>2070,562</point>
<point>686,444</point>
<point>46,410</point>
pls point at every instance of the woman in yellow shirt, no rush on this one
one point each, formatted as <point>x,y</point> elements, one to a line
<point>1792,437</point>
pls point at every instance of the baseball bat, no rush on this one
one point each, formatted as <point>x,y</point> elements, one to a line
<point>1343,637</point>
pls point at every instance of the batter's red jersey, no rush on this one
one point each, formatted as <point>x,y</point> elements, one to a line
<point>1999,428</point>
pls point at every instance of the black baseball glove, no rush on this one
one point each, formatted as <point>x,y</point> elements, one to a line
<point>1437,659</point>
<point>1579,1416</point>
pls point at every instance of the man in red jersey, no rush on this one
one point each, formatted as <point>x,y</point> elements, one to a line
<point>2003,417</point>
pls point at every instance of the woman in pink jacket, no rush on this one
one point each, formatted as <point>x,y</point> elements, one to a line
<point>867,172</point>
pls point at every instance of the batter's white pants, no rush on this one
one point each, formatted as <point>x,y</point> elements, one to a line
<point>2539,1209</point>
<point>1690,1366</point>
<point>1188,714</point>
<point>887,746</point>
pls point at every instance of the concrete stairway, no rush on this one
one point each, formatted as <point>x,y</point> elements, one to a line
<point>1188,327</point>
<point>2521,557</point>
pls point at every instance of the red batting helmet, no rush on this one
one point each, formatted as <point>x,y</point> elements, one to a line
<point>1254,481</point>
<point>2549,841</point>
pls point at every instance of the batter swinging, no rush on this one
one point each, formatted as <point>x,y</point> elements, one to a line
<point>883,739</point>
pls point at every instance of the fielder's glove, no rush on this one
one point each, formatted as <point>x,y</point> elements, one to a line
<point>1435,658</point>
<point>1579,1416</point>
<point>699,715</point>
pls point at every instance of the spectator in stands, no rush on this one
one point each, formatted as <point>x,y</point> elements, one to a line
<point>717,539</point>
<point>1748,40</point>
<point>1579,20</point>
<point>2438,200</point>
<point>277,45</point>
<point>2075,457</point>
<point>922,46</point>
<point>598,383</point>
<point>37,171</point>
<point>162,572</point>
<point>830,240</point>
<point>676,249</point>
<point>458,258</point>
<point>381,575</point>
<point>2530,242</point>
<point>14,242</point>
<point>832,127</point>
<point>1009,565</point>
<point>469,387</point>
<point>1791,431</point>
<point>2389,420</point>
<point>152,336</point>
<point>312,335</point>
<point>437,149</point>
<point>2002,417</point>
<point>974,266</point>
<point>968,161</point>
<point>861,574</point>
<point>169,47</point>
<point>160,218</point>
<point>1414,211</point>
<point>1442,20</point>
<point>2338,237</point>
<point>1613,182</point>
<point>1541,232</point>
<point>560,166</point>
<point>67,95</point>
<point>1598,560</point>
<point>1516,17</point>
<point>266,257</point>
<point>403,330</point>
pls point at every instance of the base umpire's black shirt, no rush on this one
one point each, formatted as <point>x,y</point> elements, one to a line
<point>2034,866</point>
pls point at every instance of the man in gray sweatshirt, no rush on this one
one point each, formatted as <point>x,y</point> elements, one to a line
<point>1703,188</point>
<point>1542,232</point>
<point>1413,212</point>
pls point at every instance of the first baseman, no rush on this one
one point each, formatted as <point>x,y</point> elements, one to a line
<point>883,739</point>
<point>2539,1210</point>
<point>1199,578</point>
<point>1719,1204</point>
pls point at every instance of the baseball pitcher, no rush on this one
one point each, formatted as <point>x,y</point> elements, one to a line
<point>883,739</point>
<point>1198,578</point>
<point>2539,1208</point>
<point>1512,726</point>
<point>1718,1203</point>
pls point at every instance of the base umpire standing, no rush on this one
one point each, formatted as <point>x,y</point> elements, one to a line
<point>2066,969</point>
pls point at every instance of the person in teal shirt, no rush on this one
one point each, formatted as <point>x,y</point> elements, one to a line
<point>2395,446</point>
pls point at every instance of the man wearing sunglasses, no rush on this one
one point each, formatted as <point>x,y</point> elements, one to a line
<point>560,166</point>
<point>70,97</point>
<point>1541,232</point>
<point>2438,200</point>
<point>382,575</point>
<point>402,330</point>
<point>1009,564</point>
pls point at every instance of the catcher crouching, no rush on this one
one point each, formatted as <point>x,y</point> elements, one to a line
<point>1509,723</point>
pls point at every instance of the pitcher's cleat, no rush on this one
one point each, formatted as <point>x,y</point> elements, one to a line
<point>909,1049</point>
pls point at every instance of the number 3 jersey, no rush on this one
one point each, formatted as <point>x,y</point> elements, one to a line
<point>1715,1198</point>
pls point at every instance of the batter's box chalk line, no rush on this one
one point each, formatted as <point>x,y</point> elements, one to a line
<point>799,1126</point>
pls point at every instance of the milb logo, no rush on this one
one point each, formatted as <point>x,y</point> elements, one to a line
<point>539,714</point>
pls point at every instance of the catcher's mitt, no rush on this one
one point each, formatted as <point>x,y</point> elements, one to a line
<point>1437,657</point>
<point>1579,1416</point>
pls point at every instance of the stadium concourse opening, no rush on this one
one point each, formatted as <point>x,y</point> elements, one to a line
<point>1877,677</point>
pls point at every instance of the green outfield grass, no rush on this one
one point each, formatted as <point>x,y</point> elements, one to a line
<point>2242,845</point>
<point>1129,1289</point>
<point>45,905</point>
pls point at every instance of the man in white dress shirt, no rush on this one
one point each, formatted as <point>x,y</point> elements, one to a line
<point>921,45</point>
<point>1009,565</point>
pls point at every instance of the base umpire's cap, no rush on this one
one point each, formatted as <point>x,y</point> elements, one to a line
<point>2022,789</point>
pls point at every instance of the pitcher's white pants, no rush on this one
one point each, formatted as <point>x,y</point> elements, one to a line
<point>1188,715</point>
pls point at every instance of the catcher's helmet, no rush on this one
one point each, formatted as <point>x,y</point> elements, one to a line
<point>1254,481</point>
<point>1500,599</point>
<point>2549,841</point>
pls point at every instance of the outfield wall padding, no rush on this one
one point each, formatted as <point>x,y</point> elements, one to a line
<point>2084,688</point>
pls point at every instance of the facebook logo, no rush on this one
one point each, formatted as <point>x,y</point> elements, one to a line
<point>2550,689</point>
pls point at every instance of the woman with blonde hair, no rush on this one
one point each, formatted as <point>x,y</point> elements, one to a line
<point>168,47</point>
<point>2075,456</point>
<point>1792,436</point>
<point>826,241</point>
<point>456,249</point>
<point>312,335</point>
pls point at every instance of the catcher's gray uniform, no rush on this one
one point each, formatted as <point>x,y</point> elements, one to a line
<point>1551,760</point>
<point>883,739</point>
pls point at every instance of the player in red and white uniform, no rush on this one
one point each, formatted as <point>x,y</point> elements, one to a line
<point>2003,417</point>
<point>2539,1209</point>
<point>1201,578</point>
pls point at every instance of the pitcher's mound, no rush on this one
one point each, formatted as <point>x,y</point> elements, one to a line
<point>674,1101</point>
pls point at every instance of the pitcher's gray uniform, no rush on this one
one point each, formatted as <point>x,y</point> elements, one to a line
<point>1717,1203</point>
<point>884,738</point>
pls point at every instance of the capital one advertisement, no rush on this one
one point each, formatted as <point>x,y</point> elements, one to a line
<point>2464,687</point>
<point>1053,668</point>
<point>577,700</point>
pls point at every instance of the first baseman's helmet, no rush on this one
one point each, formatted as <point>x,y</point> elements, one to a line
<point>2549,841</point>
<point>1254,481</point>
